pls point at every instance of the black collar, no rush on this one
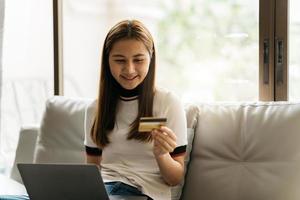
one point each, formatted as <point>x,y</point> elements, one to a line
<point>127,93</point>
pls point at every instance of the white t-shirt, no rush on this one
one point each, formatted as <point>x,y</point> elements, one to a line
<point>133,161</point>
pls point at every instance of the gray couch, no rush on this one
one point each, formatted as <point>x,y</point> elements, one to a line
<point>239,151</point>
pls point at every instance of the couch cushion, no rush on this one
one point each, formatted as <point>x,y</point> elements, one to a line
<point>245,151</point>
<point>61,134</point>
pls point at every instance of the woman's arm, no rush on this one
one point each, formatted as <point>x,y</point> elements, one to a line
<point>171,168</point>
<point>93,159</point>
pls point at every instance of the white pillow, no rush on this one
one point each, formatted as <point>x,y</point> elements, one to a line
<point>177,190</point>
<point>61,135</point>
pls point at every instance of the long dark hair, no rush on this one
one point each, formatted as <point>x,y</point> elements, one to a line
<point>108,97</point>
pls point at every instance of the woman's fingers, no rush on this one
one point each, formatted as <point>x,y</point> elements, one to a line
<point>162,148</point>
<point>168,131</point>
<point>162,143</point>
<point>169,136</point>
<point>165,140</point>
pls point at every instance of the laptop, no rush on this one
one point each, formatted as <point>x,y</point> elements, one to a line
<point>66,182</point>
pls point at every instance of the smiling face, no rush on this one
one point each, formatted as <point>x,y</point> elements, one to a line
<point>129,62</point>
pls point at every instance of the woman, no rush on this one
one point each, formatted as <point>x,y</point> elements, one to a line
<point>132,162</point>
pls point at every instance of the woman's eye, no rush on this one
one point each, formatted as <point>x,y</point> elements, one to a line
<point>138,60</point>
<point>120,61</point>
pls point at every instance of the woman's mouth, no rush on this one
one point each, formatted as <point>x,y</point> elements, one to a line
<point>129,78</point>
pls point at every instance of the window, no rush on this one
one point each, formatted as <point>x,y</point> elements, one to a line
<point>216,44</point>
<point>27,70</point>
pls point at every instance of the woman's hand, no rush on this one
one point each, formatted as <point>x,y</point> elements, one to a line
<point>170,168</point>
<point>164,141</point>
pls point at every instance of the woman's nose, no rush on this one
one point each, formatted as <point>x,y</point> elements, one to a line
<point>129,67</point>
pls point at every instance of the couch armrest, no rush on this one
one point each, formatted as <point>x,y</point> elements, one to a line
<point>25,149</point>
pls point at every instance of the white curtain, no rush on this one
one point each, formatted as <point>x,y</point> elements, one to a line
<point>1,44</point>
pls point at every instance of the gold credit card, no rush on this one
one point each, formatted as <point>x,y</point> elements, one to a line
<point>147,124</point>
